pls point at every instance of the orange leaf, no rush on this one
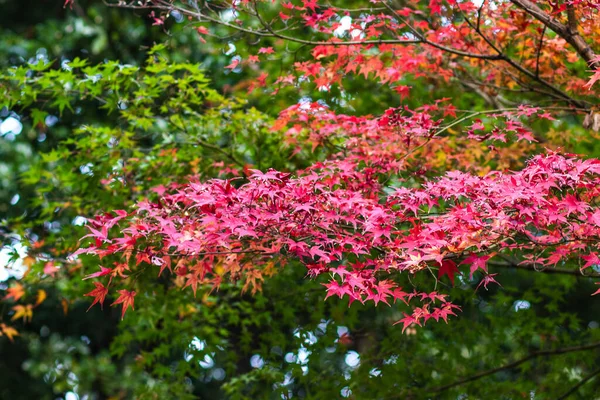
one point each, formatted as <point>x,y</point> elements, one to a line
<point>15,292</point>
<point>41,296</point>
<point>65,306</point>
<point>25,312</point>
<point>9,331</point>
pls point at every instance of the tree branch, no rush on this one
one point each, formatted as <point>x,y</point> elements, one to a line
<point>420,40</point>
<point>539,52</point>
<point>515,364</point>
<point>523,70</point>
<point>532,267</point>
<point>473,115</point>
<point>579,384</point>
<point>568,32</point>
<point>269,32</point>
<point>571,19</point>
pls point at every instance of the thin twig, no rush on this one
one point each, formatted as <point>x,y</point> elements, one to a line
<point>568,32</point>
<point>579,384</point>
<point>520,68</point>
<point>539,52</point>
<point>532,267</point>
<point>515,364</point>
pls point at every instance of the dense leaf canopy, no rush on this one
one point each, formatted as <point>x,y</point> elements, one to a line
<point>254,199</point>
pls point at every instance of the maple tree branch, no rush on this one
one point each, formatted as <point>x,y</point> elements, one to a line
<point>539,52</point>
<point>270,32</point>
<point>580,384</point>
<point>532,267</point>
<point>210,146</point>
<point>520,68</point>
<point>554,95</point>
<point>524,89</point>
<point>515,364</point>
<point>421,40</point>
<point>568,32</point>
<point>473,115</point>
<point>531,75</point>
<point>498,111</point>
<point>217,253</point>
<point>218,149</point>
<point>571,19</point>
<point>424,40</point>
<point>489,99</point>
<point>359,9</point>
<point>480,14</point>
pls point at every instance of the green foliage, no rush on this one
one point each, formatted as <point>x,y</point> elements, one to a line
<point>134,129</point>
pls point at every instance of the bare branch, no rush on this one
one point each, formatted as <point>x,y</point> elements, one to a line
<point>539,52</point>
<point>515,364</point>
<point>580,384</point>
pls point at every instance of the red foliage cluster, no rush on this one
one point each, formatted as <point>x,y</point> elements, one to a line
<point>335,218</point>
<point>374,211</point>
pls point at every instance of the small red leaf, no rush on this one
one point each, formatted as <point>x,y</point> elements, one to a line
<point>126,298</point>
<point>99,294</point>
<point>448,268</point>
<point>103,271</point>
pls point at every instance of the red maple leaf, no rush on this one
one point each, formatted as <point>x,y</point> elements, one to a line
<point>103,271</point>
<point>596,77</point>
<point>477,262</point>
<point>99,294</point>
<point>334,288</point>
<point>402,90</point>
<point>310,4</point>
<point>590,259</point>
<point>407,321</point>
<point>234,64</point>
<point>449,268</point>
<point>126,298</point>
<point>266,50</point>
<point>487,280</point>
